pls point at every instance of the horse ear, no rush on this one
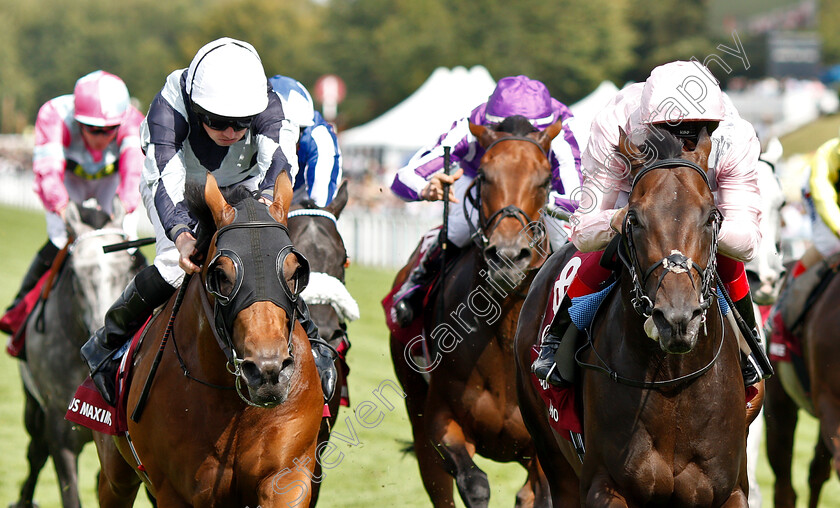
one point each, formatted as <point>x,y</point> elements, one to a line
<point>339,201</point>
<point>223,213</point>
<point>703,149</point>
<point>119,212</point>
<point>73,219</point>
<point>279,209</point>
<point>631,152</point>
<point>484,135</point>
<point>549,133</point>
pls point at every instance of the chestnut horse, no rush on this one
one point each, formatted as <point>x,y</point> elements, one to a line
<point>666,426</point>
<point>314,232</point>
<point>203,440</point>
<point>468,405</point>
<point>820,352</point>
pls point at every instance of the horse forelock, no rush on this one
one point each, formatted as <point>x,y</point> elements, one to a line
<point>517,125</point>
<point>197,206</point>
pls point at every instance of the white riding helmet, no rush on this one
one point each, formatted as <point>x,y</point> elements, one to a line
<point>681,92</point>
<point>226,78</point>
<point>297,103</point>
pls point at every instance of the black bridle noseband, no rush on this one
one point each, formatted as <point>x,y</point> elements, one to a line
<point>480,235</point>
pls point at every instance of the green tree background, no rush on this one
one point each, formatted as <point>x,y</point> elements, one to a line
<point>383,49</point>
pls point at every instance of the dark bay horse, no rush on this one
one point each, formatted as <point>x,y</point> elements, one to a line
<point>469,405</point>
<point>85,288</point>
<point>314,232</point>
<point>230,426</point>
<point>820,351</point>
<point>672,430</point>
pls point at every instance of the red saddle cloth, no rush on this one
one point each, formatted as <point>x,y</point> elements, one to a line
<point>14,319</point>
<point>411,336</point>
<point>559,402</point>
<point>89,409</point>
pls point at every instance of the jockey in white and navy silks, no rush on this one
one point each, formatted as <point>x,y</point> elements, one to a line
<point>220,116</point>
<point>86,147</point>
<point>318,154</point>
<point>517,95</point>
<point>421,177</point>
<point>177,148</point>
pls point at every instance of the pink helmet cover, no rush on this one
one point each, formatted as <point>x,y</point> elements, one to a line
<point>101,99</point>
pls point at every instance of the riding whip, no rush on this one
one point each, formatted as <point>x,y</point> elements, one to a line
<point>140,242</point>
<point>444,230</point>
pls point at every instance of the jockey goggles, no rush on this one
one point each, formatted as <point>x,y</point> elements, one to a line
<point>99,131</point>
<point>689,129</point>
<point>221,123</point>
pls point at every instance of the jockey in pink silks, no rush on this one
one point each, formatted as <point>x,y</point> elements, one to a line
<point>87,145</point>
<point>423,179</point>
<point>682,98</point>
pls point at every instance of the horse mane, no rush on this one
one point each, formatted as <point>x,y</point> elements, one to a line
<point>194,198</point>
<point>662,144</point>
<point>93,217</point>
<point>517,125</point>
<point>308,204</point>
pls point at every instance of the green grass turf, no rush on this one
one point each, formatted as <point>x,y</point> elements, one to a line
<point>373,473</point>
<point>808,138</point>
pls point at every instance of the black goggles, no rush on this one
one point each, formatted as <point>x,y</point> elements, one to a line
<point>221,123</point>
<point>689,129</point>
<point>96,130</point>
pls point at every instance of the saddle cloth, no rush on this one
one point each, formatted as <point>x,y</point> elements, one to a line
<point>13,321</point>
<point>412,336</point>
<point>89,409</point>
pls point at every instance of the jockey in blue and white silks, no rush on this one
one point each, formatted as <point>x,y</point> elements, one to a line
<point>318,154</point>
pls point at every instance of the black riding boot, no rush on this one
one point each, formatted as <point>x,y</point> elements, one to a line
<point>39,266</point>
<point>146,291</point>
<point>409,298</point>
<point>751,364</point>
<point>323,354</point>
<point>555,364</point>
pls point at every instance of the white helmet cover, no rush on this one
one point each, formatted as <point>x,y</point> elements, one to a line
<point>681,91</point>
<point>226,78</point>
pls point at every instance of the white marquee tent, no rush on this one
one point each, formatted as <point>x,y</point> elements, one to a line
<point>446,96</point>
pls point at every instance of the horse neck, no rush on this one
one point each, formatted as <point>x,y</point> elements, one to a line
<point>68,307</point>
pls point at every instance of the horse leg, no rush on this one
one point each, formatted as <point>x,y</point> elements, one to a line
<point>603,493</point>
<point>287,488</point>
<point>436,481</point>
<point>37,452</point>
<point>819,471</point>
<point>780,417</point>
<point>452,445</point>
<point>118,483</point>
<point>65,444</point>
<point>535,493</point>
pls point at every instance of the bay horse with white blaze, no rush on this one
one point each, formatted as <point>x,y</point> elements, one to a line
<point>203,440</point>
<point>666,426</point>
<point>468,405</point>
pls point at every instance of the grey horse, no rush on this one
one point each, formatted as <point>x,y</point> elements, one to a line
<point>87,286</point>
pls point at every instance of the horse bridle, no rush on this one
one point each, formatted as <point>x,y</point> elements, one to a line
<point>226,307</point>
<point>480,234</point>
<point>674,263</point>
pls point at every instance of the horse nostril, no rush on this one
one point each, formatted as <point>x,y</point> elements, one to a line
<point>524,253</point>
<point>490,252</point>
<point>288,365</point>
<point>251,373</point>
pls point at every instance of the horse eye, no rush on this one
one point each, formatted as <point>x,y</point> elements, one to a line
<point>632,219</point>
<point>223,283</point>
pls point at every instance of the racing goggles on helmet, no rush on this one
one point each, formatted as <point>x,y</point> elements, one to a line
<point>220,123</point>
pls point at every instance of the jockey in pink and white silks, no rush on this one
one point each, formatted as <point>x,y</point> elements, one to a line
<point>86,146</point>
<point>682,98</point>
<point>422,178</point>
<point>220,116</point>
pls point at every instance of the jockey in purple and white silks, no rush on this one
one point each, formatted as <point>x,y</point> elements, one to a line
<point>318,154</point>
<point>216,116</point>
<point>422,177</point>
<point>86,147</point>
